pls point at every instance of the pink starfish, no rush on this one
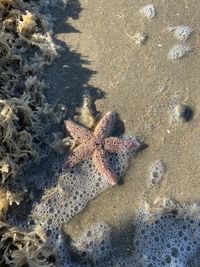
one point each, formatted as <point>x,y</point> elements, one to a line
<point>96,144</point>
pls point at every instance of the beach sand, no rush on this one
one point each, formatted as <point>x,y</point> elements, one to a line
<point>140,83</point>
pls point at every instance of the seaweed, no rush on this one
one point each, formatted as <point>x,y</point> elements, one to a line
<point>26,46</point>
<point>18,248</point>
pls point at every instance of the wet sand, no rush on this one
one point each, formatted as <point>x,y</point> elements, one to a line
<point>139,83</point>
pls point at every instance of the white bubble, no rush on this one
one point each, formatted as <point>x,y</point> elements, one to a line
<point>156,172</point>
<point>149,11</point>
<point>165,236</point>
<point>182,32</point>
<point>94,245</point>
<point>178,51</point>
<point>66,193</point>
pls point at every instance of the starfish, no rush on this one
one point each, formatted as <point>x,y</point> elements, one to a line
<point>96,144</point>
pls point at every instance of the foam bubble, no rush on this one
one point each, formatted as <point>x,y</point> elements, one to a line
<point>167,237</point>
<point>156,172</point>
<point>94,246</point>
<point>178,51</point>
<point>182,32</point>
<point>149,11</point>
<point>63,194</point>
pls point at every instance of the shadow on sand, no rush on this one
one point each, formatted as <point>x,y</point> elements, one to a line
<point>66,78</point>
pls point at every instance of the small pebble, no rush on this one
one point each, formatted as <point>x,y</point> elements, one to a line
<point>184,112</point>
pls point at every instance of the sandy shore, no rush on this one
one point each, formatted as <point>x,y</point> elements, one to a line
<point>139,83</point>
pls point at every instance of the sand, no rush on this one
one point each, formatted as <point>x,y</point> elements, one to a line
<point>139,83</point>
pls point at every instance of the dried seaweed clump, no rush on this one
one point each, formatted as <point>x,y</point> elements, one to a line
<point>19,249</point>
<point>26,47</point>
<point>27,24</point>
<point>20,133</point>
<point>24,21</point>
<point>7,198</point>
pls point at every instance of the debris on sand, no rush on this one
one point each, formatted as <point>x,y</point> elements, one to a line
<point>140,38</point>
<point>87,117</point>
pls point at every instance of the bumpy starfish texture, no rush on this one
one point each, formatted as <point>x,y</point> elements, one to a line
<point>96,144</point>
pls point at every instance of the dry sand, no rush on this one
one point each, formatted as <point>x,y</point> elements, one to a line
<point>139,83</point>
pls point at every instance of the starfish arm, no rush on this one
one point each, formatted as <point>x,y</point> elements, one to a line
<point>78,133</point>
<point>99,159</point>
<point>78,155</point>
<point>114,144</point>
<point>104,127</point>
